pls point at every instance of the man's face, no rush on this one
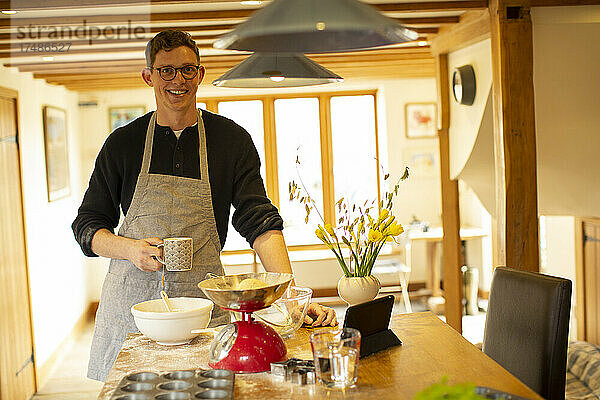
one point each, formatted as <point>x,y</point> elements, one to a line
<point>178,94</point>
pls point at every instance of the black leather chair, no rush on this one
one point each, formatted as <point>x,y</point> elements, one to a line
<point>527,328</point>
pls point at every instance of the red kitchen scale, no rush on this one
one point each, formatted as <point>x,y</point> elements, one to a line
<point>247,345</point>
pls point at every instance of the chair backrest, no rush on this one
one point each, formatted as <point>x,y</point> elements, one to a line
<point>527,328</point>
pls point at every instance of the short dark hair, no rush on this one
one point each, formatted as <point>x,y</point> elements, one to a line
<point>169,40</point>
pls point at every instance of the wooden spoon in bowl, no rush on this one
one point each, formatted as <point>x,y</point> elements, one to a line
<point>165,298</point>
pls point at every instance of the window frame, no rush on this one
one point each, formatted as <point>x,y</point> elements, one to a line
<point>270,145</point>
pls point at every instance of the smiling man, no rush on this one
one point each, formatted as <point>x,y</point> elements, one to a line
<point>173,172</point>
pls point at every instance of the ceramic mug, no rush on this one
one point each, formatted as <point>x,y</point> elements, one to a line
<point>177,253</point>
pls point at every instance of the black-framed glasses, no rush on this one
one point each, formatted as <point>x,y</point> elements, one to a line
<point>168,72</point>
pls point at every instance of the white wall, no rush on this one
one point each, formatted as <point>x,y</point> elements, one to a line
<point>465,120</point>
<point>558,255</point>
<point>566,61</point>
<point>419,196</point>
<point>465,125</point>
<point>58,281</point>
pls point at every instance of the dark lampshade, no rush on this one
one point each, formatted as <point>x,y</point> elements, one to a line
<point>271,70</point>
<point>314,26</point>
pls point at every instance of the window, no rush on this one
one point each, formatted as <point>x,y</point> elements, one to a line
<point>298,137</point>
<point>334,135</point>
<point>247,114</point>
<point>354,148</point>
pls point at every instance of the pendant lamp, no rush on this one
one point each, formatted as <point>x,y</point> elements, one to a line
<point>314,26</point>
<point>270,70</point>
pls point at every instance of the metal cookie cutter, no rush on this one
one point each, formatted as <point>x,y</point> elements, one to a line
<point>297,371</point>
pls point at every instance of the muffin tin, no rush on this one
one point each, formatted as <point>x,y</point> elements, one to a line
<point>176,385</point>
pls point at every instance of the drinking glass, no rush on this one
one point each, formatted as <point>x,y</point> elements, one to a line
<point>336,356</point>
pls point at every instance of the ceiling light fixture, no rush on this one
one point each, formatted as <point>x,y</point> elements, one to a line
<point>273,70</point>
<point>314,26</point>
<point>9,12</point>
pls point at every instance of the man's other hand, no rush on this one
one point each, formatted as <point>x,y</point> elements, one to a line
<point>319,315</point>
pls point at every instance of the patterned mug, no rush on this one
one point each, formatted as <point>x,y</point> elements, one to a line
<point>177,253</point>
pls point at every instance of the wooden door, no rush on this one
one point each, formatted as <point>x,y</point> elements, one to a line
<point>17,375</point>
<point>588,279</point>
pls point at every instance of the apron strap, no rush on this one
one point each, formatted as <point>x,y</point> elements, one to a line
<point>203,157</point>
<point>201,147</point>
<point>148,145</point>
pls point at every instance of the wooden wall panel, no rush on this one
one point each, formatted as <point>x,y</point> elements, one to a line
<point>590,266</point>
<point>514,135</point>
<point>450,206</point>
<point>17,375</point>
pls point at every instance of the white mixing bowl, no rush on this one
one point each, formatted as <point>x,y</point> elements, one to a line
<point>172,328</point>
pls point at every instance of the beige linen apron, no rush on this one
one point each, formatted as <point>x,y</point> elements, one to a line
<point>162,206</point>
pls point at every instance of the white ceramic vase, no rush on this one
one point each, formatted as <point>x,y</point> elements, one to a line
<point>355,290</point>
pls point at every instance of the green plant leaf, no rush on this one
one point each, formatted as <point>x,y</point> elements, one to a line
<point>444,391</point>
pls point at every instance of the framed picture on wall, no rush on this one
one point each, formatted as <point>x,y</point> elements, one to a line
<point>119,116</point>
<point>422,161</point>
<point>420,120</point>
<point>57,155</point>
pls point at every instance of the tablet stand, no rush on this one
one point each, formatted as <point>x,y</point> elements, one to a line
<point>372,319</point>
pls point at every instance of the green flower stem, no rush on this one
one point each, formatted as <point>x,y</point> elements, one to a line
<point>341,259</point>
<point>353,254</point>
<point>374,257</point>
<point>339,256</point>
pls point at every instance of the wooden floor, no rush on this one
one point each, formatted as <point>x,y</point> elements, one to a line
<point>68,381</point>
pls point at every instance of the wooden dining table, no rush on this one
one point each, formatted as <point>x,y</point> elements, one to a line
<point>430,350</point>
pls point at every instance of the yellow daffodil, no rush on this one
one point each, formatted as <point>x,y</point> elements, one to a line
<point>383,214</point>
<point>394,229</point>
<point>374,236</point>
<point>329,229</point>
<point>319,234</point>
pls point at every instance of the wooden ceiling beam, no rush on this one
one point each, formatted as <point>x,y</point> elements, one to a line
<point>234,14</point>
<point>371,73</point>
<point>20,53</point>
<point>30,5</point>
<point>127,20</point>
<point>45,34</point>
<point>558,3</point>
<point>83,43</point>
<point>474,27</point>
<point>413,52</point>
<point>413,22</point>
<point>433,6</point>
<point>78,43</point>
<point>99,72</point>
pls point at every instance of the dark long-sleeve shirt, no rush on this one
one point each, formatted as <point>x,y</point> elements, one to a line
<point>233,168</point>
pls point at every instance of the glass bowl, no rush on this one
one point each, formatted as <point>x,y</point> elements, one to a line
<point>287,314</point>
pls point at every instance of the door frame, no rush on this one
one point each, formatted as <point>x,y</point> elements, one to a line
<point>14,94</point>
<point>580,292</point>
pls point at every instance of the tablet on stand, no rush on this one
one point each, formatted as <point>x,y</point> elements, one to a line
<point>372,319</point>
